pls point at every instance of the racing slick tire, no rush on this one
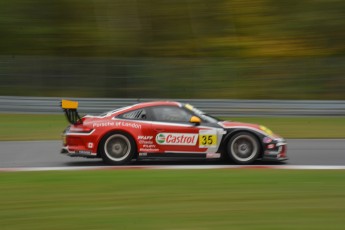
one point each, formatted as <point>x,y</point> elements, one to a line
<point>117,148</point>
<point>243,148</point>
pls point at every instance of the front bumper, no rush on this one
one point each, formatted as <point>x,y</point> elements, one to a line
<point>275,151</point>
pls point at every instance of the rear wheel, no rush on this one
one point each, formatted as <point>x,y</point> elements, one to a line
<point>243,148</point>
<point>117,148</point>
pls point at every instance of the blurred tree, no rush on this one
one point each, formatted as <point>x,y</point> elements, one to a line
<point>181,48</point>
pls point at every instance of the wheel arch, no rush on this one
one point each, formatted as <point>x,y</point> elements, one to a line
<point>113,131</point>
<point>232,133</point>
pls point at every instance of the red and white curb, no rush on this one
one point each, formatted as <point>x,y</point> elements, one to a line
<point>175,167</point>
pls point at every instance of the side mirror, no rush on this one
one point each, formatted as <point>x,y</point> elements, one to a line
<point>195,120</point>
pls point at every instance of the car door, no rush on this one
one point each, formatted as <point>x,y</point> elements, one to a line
<point>172,131</point>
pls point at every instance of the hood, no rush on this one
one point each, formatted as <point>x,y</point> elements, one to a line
<point>235,124</point>
<point>259,128</point>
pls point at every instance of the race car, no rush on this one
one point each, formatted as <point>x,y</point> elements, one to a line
<point>166,130</point>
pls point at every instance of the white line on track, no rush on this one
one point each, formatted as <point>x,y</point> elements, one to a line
<point>175,167</point>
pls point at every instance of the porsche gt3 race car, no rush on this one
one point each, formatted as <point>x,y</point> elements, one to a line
<point>166,129</point>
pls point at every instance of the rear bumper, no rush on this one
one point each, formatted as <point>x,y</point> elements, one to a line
<point>77,153</point>
<point>78,144</point>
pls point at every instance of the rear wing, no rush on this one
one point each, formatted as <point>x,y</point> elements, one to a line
<point>70,109</point>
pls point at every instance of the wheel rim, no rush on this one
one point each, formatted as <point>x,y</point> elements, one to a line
<point>244,148</point>
<point>117,147</point>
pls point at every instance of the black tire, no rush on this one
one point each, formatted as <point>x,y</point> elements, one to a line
<point>117,148</point>
<point>243,148</point>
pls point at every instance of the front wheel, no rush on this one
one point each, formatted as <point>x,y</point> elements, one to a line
<point>243,148</point>
<point>117,148</point>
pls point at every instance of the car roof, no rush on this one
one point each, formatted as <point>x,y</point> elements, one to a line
<point>140,106</point>
<point>155,103</point>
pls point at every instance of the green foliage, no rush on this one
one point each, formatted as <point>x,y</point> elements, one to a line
<point>173,49</point>
<point>187,28</point>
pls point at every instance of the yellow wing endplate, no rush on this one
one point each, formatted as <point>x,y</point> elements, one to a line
<point>66,104</point>
<point>70,110</point>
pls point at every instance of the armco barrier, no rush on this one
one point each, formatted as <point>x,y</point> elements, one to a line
<point>216,107</point>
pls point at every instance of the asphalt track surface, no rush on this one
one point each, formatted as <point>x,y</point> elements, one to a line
<point>14,154</point>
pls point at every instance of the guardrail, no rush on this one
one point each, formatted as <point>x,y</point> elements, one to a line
<point>216,107</point>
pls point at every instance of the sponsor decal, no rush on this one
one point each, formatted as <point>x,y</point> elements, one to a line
<point>207,138</point>
<point>118,124</point>
<point>103,124</point>
<point>160,138</point>
<point>90,145</point>
<point>188,106</point>
<point>128,124</point>
<point>176,139</point>
<point>148,150</point>
<point>142,142</point>
<point>145,138</point>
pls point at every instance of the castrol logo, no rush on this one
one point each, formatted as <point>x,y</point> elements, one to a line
<point>176,139</point>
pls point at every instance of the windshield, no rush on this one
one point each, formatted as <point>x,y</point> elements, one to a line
<point>204,116</point>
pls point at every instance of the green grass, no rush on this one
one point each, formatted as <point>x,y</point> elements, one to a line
<point>50,127</point>
<point>302,127</point>
<point>31,126</point>
<point>173,199</point>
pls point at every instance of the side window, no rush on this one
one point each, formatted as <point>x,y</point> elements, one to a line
<point>139,114</point>
<point>170,114</point>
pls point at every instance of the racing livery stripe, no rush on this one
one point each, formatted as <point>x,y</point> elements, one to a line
<point>164,123</point>
<point>80,133</point>
<point>154,122</point>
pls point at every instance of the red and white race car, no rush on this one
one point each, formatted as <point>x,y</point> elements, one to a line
<point>166,129</point>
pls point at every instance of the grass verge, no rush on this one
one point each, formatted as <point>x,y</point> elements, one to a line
<point>302,127</point>
<point>31,126</point>
<point>50,127</point>
<point>173,199</point>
